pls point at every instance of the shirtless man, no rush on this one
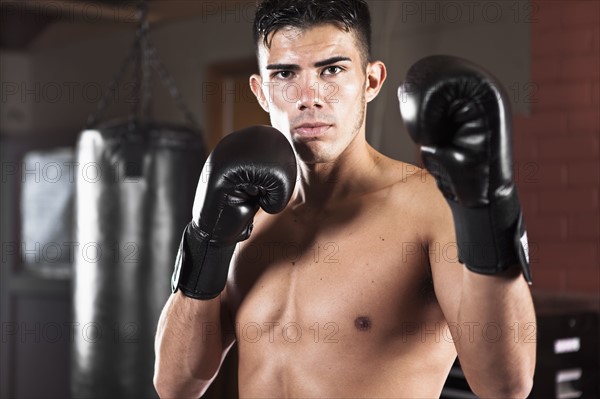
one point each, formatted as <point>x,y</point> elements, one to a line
<point>354,287</point>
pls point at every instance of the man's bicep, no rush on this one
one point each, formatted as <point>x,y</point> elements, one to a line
<point>227,320</point>
<point>447,271</point>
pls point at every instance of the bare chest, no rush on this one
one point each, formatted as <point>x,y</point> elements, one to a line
<point>360,277</point>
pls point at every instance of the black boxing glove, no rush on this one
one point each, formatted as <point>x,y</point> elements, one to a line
<point>251,168</point>
<point>459,116</point>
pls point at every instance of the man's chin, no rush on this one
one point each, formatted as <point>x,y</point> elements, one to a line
<point>310,158</point>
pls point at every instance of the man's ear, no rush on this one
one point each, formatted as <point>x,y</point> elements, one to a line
<point>256,87</point>
<point>376,75</point>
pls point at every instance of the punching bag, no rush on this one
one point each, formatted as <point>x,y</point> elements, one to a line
<point>135,184</point>
<point>134,193</point>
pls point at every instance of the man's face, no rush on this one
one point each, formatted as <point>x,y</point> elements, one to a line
<point>315,88</point>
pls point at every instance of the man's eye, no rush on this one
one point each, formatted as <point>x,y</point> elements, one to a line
<point>332,70</point>
<point>284,74</point>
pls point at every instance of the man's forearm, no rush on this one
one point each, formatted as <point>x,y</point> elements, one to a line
<point>498,354</point>
<point>188,346</point>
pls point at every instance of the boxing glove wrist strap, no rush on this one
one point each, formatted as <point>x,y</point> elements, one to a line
<point>201,266</point>
<point>491,238</point>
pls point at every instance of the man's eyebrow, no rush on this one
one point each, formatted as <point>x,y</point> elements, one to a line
<point>295,67</point>
<point>331,60</point>
<point>287,67</point>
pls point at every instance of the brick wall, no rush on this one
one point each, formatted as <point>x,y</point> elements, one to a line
<point>557,146</point>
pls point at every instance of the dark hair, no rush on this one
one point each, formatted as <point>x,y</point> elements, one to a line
<point>350,15</point>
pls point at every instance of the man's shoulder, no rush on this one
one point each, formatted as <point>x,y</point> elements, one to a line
<point>415,182</point>
<point>415,194</point>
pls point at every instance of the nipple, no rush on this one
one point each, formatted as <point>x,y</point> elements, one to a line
<point>362,323</point>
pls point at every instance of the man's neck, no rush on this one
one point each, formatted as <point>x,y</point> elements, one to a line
<point>351,174</point>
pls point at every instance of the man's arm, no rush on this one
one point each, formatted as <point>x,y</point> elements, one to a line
<point>249,169</point>
<point>491,318</point>
<point>459,115</point>
<point>192,340</point>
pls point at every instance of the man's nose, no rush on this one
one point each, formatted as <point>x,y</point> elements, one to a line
<point>309,96</point>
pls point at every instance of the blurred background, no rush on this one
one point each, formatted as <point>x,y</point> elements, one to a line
<point>85,85</point>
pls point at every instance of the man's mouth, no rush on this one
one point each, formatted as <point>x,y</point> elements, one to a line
<point>312,129</point>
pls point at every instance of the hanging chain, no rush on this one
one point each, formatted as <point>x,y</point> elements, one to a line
<point>141,97</point>
<point>144,57</point>
<point>169,83</point>
<point>112,89</point>
<point>146,71</point>
<point>142,72</point>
